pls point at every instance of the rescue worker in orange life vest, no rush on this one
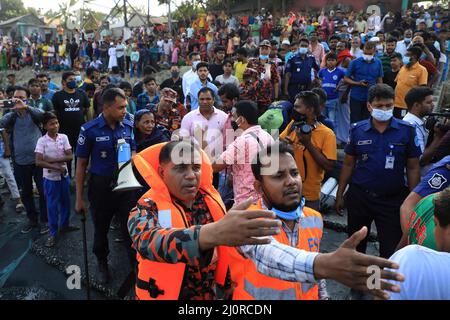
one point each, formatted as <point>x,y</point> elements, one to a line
<point>281,271</point>
<point>179,225</point>
<point>280,187</point>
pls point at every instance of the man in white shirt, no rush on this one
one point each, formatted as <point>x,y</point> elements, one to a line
<point>404,44</point>
<point>191,76</point>
<point>426,271</point>
<point>120,53</point>
<point>374,21</point>
<point>419,101</point>
<point>356,50</point>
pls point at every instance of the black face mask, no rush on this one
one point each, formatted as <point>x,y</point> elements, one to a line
<point>297,116</point>
<point>234,125</point>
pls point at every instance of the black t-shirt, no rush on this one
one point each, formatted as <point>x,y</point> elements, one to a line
<point>215,70</point>
<point>177,86</point>
<point>389,78</point>
<point>70,108</point>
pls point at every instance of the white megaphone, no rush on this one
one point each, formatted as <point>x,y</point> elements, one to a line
<point>126,180</point>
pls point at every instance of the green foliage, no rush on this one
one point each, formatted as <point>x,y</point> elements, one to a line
<point>188,9</point>
<point>11,9</point>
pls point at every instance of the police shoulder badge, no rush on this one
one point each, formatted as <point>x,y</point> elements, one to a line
<point>437,181</point>
<point>81,140</point>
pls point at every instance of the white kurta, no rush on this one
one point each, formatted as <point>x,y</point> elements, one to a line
<point>112,58</point>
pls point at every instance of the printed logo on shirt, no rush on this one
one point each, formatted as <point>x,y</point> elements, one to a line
<point>437,181</point>
<point>102,139</point>
<point>72,105</point>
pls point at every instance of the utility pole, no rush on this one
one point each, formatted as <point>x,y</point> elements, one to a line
<point>148,13</point>
<point>125,12</point>
<point>170,18</point>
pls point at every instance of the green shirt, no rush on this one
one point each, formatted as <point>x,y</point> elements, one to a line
<point>421,224</point>
<point>385,62</point>
<point>256,27</point>
<point>41,103</point>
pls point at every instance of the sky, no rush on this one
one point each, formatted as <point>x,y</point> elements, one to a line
<point>100,5</point>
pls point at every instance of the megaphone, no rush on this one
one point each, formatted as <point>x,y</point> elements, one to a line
<point>126,181</point>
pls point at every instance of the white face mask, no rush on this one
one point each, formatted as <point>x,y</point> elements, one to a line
<point>367,57</point>
<point>194,65</point>
<point>382,115</point>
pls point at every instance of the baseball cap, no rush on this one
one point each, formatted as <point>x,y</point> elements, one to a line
<point>265,43</point>
<point>286,42</point>
<point>272,119</point>
<point>169,94</point>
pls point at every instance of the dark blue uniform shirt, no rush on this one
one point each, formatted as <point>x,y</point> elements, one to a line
<point>437,179</point>
<point>300,69</point>
<point>99,142</point>
<point>372,150</point>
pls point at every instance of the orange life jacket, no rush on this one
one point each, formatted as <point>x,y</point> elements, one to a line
<point>252,285</point>
<point>163,281</point>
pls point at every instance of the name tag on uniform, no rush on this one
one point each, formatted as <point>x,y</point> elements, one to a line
<point>165,218</point>
<point>390,160</point>
<point>364,142</point>
<point>102,139</point>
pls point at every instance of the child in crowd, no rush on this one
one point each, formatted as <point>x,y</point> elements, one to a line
<point>128,89</point>
<point>331,76</point>
<point>52,152</point>
<point>150,98</point>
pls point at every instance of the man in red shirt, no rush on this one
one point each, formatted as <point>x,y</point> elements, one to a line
<point>266,30</point>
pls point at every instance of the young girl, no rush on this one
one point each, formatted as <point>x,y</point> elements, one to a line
<point>52,152</point>
<point>146,132</point>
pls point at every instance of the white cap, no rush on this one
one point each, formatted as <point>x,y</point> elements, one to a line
<point>286,42</point>
<point>374,39</point>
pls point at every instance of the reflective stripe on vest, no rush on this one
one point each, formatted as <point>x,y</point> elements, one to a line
<point>269,293</point>
<point>311,222</point>
<point>250,284</point>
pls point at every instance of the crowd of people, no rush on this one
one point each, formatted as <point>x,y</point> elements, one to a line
<point>232,154</point>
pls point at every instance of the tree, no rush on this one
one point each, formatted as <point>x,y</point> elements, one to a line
<point>11,9</point>
<point>188,10</point>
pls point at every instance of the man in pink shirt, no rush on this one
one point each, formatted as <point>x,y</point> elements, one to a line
<point>240,154</point>
<point>316,47</point>
<point>205,124</point>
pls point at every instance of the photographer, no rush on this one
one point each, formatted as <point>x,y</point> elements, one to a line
<point>24,123</point>
<point>419,101</point>
<point>314,145</point>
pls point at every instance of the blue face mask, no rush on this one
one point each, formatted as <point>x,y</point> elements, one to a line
<point>382,115</point>
<point>303,50</point>
<point>264,57</point>
<point>406,60</point>
<point>72,84</point>
<point>291,215</point>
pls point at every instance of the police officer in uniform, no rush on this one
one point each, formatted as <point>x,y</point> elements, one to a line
<point>97,143</point>
<point>378,151</point>
<point>298,71</point>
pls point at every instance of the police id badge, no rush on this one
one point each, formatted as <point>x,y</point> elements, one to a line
<point>390,160</point>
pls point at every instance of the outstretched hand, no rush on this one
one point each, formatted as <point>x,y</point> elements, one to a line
<point>240,227</point>
<point>351,268</point>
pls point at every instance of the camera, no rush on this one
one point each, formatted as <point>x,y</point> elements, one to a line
<point>302,127</point>
<point>7,103</point>
<point>438,120</point>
